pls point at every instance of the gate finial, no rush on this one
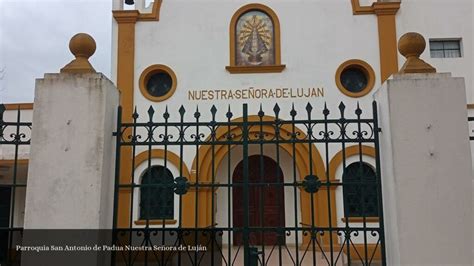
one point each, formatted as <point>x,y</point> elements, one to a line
<point>411,45</point>
<point>82,46</point>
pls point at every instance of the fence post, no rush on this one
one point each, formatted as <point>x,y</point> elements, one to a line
<point>245,139</point>
<point>70,182</point>
<point>426,164</point>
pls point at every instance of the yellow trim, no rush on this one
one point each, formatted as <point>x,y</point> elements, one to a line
<point>170,156</point>
<point>368,71</point>
<point>155,222</point>
<point>378,8</point>
<point>387,27</point>
<point>204,187</point>
<point>357,9</point>
<point>360,219</point>
<point>255,69</point>
<point>155,13</point>
<point>135,15</point>
<point>387,30</point>
<point>338,158</point>
<point>148,72</point>
<point>20,106</point>
<point>126,20</point>
<point>386,8</point>
<point>277,67</point>
<point>12,162</point>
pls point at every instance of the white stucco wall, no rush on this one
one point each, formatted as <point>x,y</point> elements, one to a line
<point>439,19</point>
<point>70,179</point>
<point>316,37</point>
<point>199,51</point>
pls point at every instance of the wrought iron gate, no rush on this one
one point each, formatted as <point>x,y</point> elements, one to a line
<point>196,188</point>
<point>15,134</point>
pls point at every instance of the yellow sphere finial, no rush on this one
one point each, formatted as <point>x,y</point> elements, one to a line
<point>82,46</point>
<point>411,45</point>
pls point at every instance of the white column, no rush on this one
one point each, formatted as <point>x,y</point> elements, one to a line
<point>117,4</point>
<point>426,170</point>
<point>70,177</point>
<point>71,168</point>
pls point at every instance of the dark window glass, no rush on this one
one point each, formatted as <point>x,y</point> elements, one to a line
<point>360,190</point>
<point>159,84</point>
<point>354,79</point>
<point>445,48</point>
<point>5,201</point>
<point>5,195</point>
<point>157,196</point>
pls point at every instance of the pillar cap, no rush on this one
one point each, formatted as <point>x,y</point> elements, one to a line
<point>411,45</point>
<point>82,46</point>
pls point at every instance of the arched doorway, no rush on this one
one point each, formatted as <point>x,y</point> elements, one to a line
<point>266,200</point>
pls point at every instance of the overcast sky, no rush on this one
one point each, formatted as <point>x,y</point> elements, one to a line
<point>34,39</point>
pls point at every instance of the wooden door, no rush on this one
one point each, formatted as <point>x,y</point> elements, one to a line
<point>266,200</point>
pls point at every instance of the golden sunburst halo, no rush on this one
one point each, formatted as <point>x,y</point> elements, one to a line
<point>257,24</point>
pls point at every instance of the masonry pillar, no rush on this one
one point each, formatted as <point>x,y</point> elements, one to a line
<point>426,156</point>
<point>71,167</point>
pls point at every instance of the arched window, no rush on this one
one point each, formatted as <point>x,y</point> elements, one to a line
<point>360,190</point>
<point>156,194</point>
<point>255,40</point>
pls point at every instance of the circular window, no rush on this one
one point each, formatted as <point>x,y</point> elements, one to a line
<point>355,78</point>
<point>157,83</point>
<point>360,190</point>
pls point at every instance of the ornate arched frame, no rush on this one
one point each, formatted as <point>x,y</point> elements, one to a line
<point>125,193</point>
<point>277,67</point>
<point>202,169</point>
<point>359,64</point>
<point>170,157</point>
<point>148,72</point>
<point>336,161</point>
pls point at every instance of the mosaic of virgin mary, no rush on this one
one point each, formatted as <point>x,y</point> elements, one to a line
<point>254,40</point>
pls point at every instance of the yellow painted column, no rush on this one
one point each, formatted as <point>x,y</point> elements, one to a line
<point>387,28</point>
<point>125,76</point>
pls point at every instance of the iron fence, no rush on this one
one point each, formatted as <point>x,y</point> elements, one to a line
<point>15,135</point>
<point>211,188</point>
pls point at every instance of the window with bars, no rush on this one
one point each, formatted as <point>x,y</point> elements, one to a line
<point>360,190</point>
<point>156,195</point>
<point>445,48</point>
